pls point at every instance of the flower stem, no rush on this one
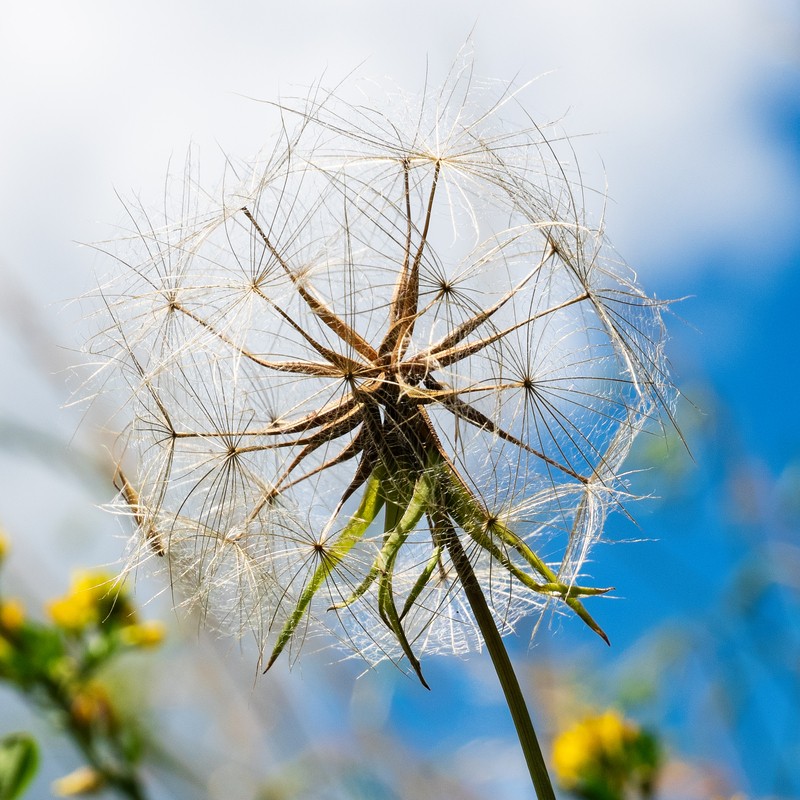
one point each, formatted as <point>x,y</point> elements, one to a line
<point>502,665</point>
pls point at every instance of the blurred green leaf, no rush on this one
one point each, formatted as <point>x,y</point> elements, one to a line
<point>19,760</point>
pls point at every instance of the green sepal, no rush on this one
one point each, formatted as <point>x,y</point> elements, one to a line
<point>396,537</point>
<point>475,520</point>
<point>399,525</point>
<point>371,504</point>
<point>389,615</point>
<point>422,580</point>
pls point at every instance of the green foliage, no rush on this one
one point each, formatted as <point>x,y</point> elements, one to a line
<point>19,760</point>
<point>59,666</point>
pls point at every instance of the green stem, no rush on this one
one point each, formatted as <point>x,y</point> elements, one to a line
<point>120,777</point>
<point>502,665</point>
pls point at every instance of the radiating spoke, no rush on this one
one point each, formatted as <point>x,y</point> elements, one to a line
<point>344,331</point>
<point>404,303</point>
<point>349,451</point>
<point>464,411</point>
<point>466,328</point>
<point>329,413</point>
<point>444,357</point>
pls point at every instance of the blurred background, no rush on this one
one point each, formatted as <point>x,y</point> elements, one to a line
<point>688,115</point>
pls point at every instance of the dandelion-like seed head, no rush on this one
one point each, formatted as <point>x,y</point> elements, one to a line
<point>396,354</point>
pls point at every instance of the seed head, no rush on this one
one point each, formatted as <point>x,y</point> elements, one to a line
<point>400,310</point>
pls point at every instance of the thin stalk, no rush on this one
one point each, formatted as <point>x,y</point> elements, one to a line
<point>502,665</point>
<point>122,777</point>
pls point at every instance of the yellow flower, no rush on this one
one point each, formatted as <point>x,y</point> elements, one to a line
<point>611,732</point>
<point>80,607</point>
<point>3,545</point>
<point>594,739</point>
<point>12,615</point>
<point>572,753</point>
<point>73,611</point>
<point>84,780</point>
<point>143,634</point>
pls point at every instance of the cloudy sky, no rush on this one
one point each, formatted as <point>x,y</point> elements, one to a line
<point>672,107</point>
<point>98,96</point>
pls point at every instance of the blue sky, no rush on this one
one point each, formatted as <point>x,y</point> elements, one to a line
<point>693,116</point>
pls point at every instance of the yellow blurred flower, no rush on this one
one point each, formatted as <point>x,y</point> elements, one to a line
<point>12,615</point>
<point>612,731</point>
<point>594,739</point>
<point>571,754</point>
<point>89,594</point>
<point>143,634</point>
<point>84,780</point>
<point>4,544</point>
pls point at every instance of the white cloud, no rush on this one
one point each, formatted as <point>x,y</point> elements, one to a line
<point>102,94</point>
